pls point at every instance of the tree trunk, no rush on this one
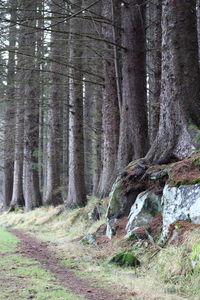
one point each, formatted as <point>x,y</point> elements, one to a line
<point>180,82</point>
<point>110,114</point>
<point>76,188</point>
<point>54,144</point>
<point>87,121</point>
<point>10,112</point>
<point>31,125</point>
<point>133,124</point>
<point>17,195</point>
<point>154,39</point>
<point>97,138</point>
<point>198,24</point>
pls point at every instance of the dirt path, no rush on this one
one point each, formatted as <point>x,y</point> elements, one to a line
<point>35,249</point>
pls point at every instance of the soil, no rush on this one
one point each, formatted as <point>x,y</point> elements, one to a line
<point>31,247</point>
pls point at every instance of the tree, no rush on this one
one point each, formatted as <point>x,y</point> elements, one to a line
<point>76,187</point>
<point>110,110</point>
<point>31,115</point>
<point>154,37</point>
<point>198,24</point>
<point>133,142</point>
<point>179,99</point>
<point>53,193</point>
<point>17,195</point>
<point>10,111</point>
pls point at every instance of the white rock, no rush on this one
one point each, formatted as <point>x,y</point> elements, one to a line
<point>180,203</point>
<point>146,206</point>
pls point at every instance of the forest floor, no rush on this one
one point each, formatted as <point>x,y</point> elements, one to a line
<point>42,257</point>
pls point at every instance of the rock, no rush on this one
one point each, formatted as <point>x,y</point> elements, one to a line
<point>125,259</point>
<point>146,206</point>
<point>126,189</point>
<point>117,199</point>
<point>180,203</point>
<point>89,239</point>
<point>111,230</point>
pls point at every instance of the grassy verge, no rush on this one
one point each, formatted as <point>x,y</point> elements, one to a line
<point>24,278</point>
<point>166,276</point>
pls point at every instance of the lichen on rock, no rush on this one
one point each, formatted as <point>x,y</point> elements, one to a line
<point>180,203</point>
<point>146,206</point>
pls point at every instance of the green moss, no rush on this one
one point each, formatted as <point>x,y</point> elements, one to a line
<point>133,237</point>
<point>125,259</point>
<point>196,162</point>
<point>185,181</point>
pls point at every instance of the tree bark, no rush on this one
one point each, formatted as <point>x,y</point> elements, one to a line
<point>154,39</point>
<point>17,195</point>
<point>110,115</point>
<point>31,124</point>
<point>10,111</point>
<point>76,188</point>
<point>54,145</point>
<point>198,24</point>
<point>97,138</point>
<point>133,141</point>
<point>180,82</point>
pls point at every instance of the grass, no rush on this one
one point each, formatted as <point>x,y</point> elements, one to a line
<point>8,242</point>
<point>24,278</point>
<point>167,276</point>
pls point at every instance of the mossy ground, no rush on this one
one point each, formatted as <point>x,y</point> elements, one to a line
<point>167,275</point>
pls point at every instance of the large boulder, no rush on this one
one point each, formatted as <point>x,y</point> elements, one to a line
<point>180,203</point>
<point>146,206</point>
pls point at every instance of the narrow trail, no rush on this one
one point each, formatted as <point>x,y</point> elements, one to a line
<point>31,247</point>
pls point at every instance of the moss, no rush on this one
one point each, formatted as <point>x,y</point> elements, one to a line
<point>115,199</point>
<point>196,162</point>
<point>133,237</point>
<point>125,259</point>
<point>186,181</point>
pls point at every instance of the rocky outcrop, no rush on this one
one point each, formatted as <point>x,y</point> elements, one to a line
<point>137,193</point>
<point>180,203</point>
<point>146,206</point>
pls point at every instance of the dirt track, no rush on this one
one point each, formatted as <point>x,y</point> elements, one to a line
<point>35,249</point>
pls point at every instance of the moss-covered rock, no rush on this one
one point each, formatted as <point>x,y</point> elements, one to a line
<point>125,259</point>
<point>116,197</point>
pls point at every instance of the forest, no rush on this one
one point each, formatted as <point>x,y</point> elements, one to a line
<point>100,149</point>
<point>88,86</point>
